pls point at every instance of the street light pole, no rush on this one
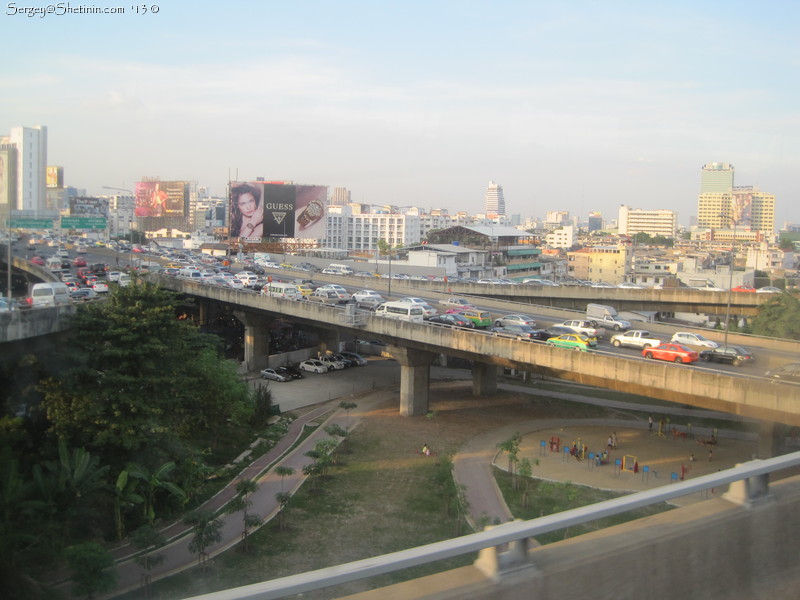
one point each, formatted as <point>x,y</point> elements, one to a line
<point>730,282</point>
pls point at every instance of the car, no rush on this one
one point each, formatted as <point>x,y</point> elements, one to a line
<point>113,275</point>
<point>305,289</point>
<point>367,298</point>
<point>341,292</point>
<point>769,289</point>
<point>692,340</point>
<point>79,261</point>
<point>38,260</point>
<point>602,284</point>
<point>584,327</point>
<point>7,305</point>
<point>344,360</point>
<point>551,332</point>
<point>313,366</point>
<point>83,295</point>
<point>290,371</point>
<point>101,287</point>
<point>629,285</point>
<point>273,375</point>
<point>480,318</point>
<point>516,319</point>
<point>573,341</point>
<point>427,309</point>
<point>457,303</point>
<point>541,282</point>
<point>788,373</point>
<point>453,320</point>
<point>525,332</point>
<point>677,353</point>
<point>356,358</point>
<point>331,363</point>
<point>743,288</point>
<point>735,355</point>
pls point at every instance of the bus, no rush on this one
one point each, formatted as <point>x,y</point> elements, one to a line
<point>401,310</point>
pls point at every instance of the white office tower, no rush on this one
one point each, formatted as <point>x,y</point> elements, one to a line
<point>495,203</point>
<point>652,222</point>
<point>31,167</point>
<point>716,178</point>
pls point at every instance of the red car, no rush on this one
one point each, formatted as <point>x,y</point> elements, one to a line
<point>677,353</point>
<point>79,261</point>
<point>38,260</point>
<point>743,288</point>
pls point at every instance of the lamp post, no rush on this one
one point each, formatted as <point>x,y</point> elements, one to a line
<point>116,220</point>
<point>730,279</point>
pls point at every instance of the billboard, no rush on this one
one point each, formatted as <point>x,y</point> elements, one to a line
<point>54,177</point>
<point>272,209</point>
<point>160,199</point>
<point>88,207</point>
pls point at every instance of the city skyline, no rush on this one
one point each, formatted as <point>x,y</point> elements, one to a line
<point>582,106</point>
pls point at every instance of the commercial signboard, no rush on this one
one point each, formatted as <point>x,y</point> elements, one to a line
<point>272,209</point>
<point>160,199</point>
<point>82,206</point>
<point>54,177</point>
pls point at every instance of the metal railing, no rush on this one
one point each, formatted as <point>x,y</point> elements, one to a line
<point>753,476</point>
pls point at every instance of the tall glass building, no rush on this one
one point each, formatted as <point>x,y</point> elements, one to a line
<point>495,203</point>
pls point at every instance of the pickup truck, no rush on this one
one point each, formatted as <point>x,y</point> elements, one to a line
<point>636,338</point>
<point>612,322</point>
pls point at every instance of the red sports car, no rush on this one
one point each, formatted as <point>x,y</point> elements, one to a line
<point>677,353</point>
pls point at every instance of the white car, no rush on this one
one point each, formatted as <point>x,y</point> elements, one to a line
<point>100,287</point>
<point>628,285</point>
<point>113,276</point>
<point>247,277</point>
<point>273,375</point>
<point>340,290</point>
<point>427,309</point>
<point>313,366</point>
<point>693,340</point>
<point>581,326</point>
<point>368,298</point>
<point>331,363</point>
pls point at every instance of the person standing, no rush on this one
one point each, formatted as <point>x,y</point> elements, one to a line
<point>650,423</point>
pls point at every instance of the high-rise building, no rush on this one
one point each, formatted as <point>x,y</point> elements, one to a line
<point>595,221</point>
<point>652,222</point>
<point>495,202</point>
<point>716,178</point>
<point>30,174</point>
<point>340,196</point>
<point>722,205</point>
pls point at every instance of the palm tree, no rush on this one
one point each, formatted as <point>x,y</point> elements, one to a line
<point>347,407</point>
<point>284,472</point>
<point>242,503</point>
<point>206,532</point>
<point>125,496</point>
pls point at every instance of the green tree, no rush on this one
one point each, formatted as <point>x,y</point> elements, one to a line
<point>142,381</point>
<point>511,448</point>
<point>91,567</point>
<point>335,430</point>
<point>779,317</point>
<point>148,539</point>
<point>283,500</point>
<point>284,472</point>
<point>526,472</point>
<point>206,530</point>
<point>125,497</point>
<point>242,503</point>
<point>153,482</point>
<point>347,407</point>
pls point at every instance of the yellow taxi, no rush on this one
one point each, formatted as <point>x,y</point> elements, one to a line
<point>305,289</point>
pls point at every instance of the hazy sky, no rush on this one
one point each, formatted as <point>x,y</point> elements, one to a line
<point>572,105</point>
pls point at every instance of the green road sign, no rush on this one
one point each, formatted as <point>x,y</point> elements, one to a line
<point>31,223</point>
<point>83,222</point>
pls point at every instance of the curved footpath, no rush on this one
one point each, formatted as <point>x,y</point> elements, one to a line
<point>472,467</point>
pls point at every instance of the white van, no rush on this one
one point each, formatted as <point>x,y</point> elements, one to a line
<point>277,289</point>
<point>401,310</point>
<point>189,273</point>
<point>53,264</point>
<point>49,294</point>
<point>124,280</point>
<point>339,269</point>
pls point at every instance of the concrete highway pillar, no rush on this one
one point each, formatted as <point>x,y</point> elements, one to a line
<point>256,339</point>
<point>203,310</point>
<point>771,439</point>
<point>415,376</point>
<point>328,341</point>
<point>484,379</point>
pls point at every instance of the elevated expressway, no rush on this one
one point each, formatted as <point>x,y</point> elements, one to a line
<point>416,346</point>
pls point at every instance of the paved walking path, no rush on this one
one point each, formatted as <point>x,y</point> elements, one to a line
<point>473,465</point>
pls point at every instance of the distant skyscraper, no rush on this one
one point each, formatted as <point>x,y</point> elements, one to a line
<point>30,144</point>
<point>716,178</point>
<point>340,196</point>
<point>595,222</point>
<point>721,205</point>
<point>495,203</point>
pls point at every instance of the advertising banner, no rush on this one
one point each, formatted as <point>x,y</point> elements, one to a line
<point>160,199</point>
<point>54,177</point>
<point>88,207</point>
<point>277,210</point>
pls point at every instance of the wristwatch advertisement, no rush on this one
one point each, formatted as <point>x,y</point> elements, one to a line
<point>312,213</point>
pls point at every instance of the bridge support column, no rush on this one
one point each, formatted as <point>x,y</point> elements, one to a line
<point>771,439</point>
<point>415,376</point>
<point>484,379</point>
<point>328,341</point>
<point>256,339</point>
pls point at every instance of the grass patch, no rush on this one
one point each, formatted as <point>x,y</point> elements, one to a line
<point>546,498</point>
